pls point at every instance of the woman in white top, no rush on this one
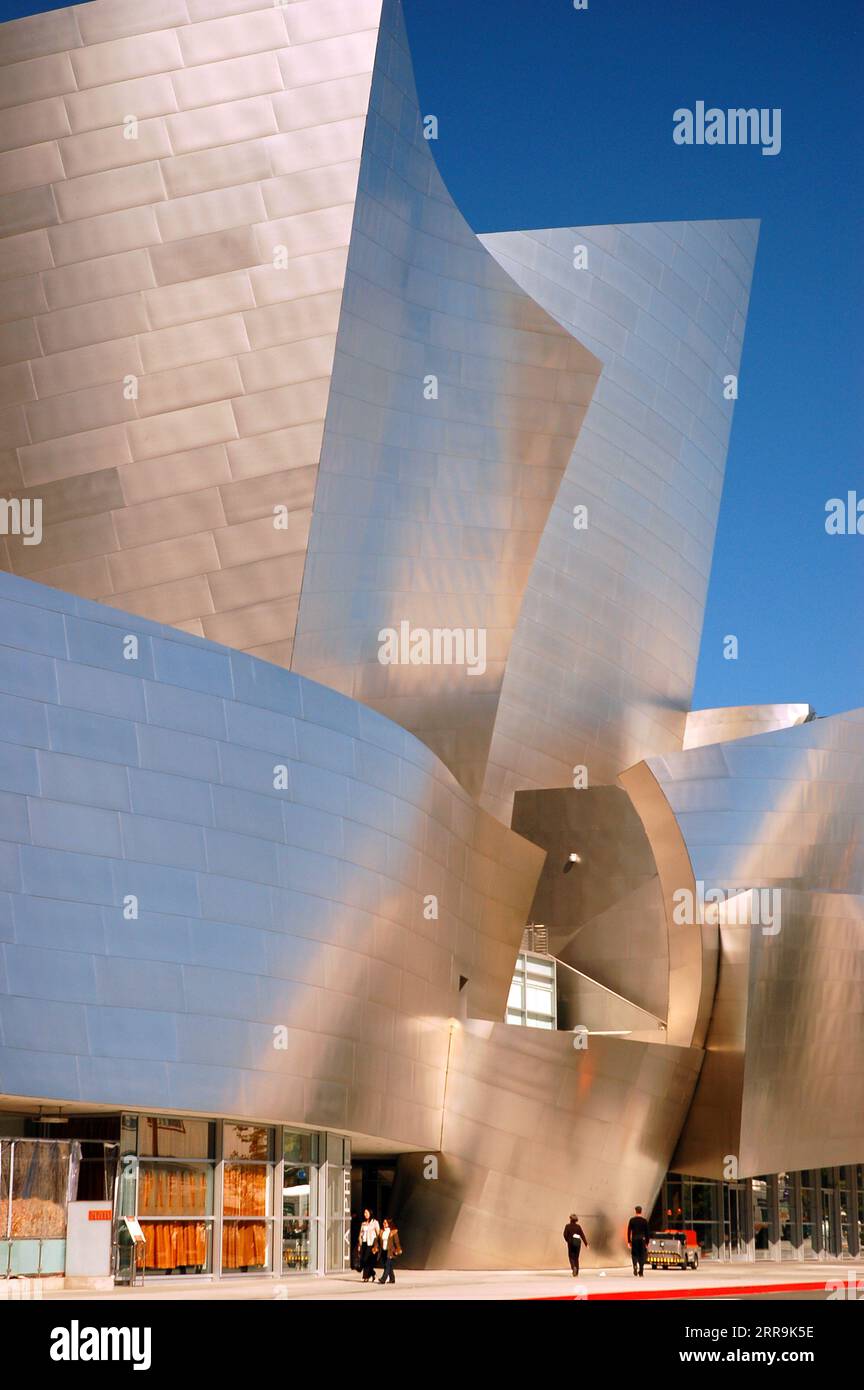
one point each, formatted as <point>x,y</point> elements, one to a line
<point>368,1245</point>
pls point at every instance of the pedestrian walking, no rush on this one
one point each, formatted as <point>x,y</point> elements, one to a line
<point>390,1250</point>
<point>637,1239</point>
<point>574,1239</point>
<point>368,1245</point>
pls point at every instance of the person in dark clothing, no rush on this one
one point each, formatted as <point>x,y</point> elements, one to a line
<point>574,1238</point>
<point>637,1239</point>
<point>390,1250</point>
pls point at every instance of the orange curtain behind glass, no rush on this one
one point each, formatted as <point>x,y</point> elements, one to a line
<point>174,1244</point>
<point>173,1190</point>
<point>244,1243</point>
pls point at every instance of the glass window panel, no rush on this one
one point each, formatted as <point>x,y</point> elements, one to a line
<point>675,1200</point>
<point>246,1245</point>
<point>702,1201</point>
<point>298,1228</point>
<point>40,1182</point>
<point>335,1149</point>
<point>247,1141</point>
<point>129,1134</point>
<point>5,1158</point>
<point>538,1000</point>
<point>177,1247</point>
<point>540,970</point>
<point>175,1189</point>
<point>808,1213</point>
<point>298,1147</point>
<point>167,1136</point>
<point>245,1189</point>
<point>786,1197</point>
<point>338,1249</point>
<point>127,1186</point>
<point>762,1223</point>
<point>844,1217</point>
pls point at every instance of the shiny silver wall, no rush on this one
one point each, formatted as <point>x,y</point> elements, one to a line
<point>174,300</point>
<point>205,261</point>
<point>427,409</point>
<point>299,910</point>
<point>604,911</point>
<point>429,510</point>
<point>783,1082</point>
<point>178,181</point>
<point>534,1130</point>
<point>258,908</point>
<point>602,664</point>
<point>731,722</point>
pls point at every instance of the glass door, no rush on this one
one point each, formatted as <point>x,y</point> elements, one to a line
<point>763,1223</point>
<point>734,1227</point>
<point>299,1192</point>
<point>787,1207</point>
<point>338,1182</point>
<point>247,1180</point>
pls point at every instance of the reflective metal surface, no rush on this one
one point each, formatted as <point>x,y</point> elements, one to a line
<point>601,668</point>
<point>173,365</point>
<point>178,932</point>
<point>455,403</point>
<point>783,1082</point>
<point>172,370</point>
<point>603,911</point>
<point>177,213</point>
<point>253,346</point>
<point>534,1130</point>
<point>740,721</point>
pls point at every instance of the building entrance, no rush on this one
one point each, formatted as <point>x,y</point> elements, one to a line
<point>372,1182</point>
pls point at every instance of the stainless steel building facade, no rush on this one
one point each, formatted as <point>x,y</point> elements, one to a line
<point>263,878</point>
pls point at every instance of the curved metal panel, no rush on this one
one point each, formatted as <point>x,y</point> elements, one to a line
<point>177,276</point>
<point>781,814</point>
<point>693,945</point>
<point>534,1130</point>
<point>731,722</point>
<point>603,911</point>
<point>175,363</point>
<point>601,668</point>
<point>226,888</point>
<point>454,407</point>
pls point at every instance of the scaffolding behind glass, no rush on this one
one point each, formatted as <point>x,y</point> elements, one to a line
<point>38,1178</point>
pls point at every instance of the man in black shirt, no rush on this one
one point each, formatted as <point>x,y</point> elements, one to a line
<point>574,1237</point>
<point>637,1239</point>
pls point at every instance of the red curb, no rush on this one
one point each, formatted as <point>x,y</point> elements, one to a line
<point>723,1290</point>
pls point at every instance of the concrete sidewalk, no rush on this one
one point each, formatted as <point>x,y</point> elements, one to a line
<point>709,1281</point>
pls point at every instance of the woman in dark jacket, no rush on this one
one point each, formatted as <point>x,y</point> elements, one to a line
<point>390,1249</point>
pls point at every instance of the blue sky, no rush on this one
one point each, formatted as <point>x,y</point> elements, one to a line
<point>552,116</point>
